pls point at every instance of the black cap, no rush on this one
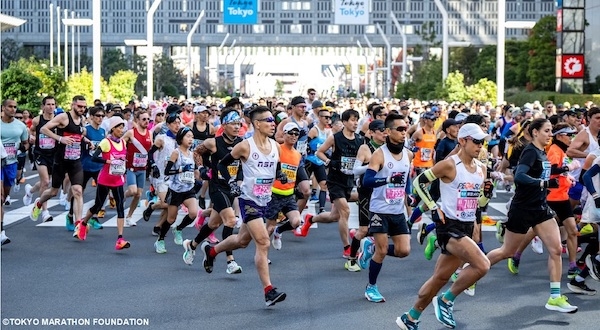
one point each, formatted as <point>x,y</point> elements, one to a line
<point>298,100</point>
<point>376,124</point>
<point>449,122</point>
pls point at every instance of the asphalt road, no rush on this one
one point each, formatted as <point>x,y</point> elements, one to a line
<point>47,275</point>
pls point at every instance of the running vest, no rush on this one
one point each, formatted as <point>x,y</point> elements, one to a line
<point>592,146</point>
<point>137,158</point>
<point>389,198</point>
<point>164,154</point>
<point>424,156</point>
<point>94,135</point>
<point>344,152</point>
<point>460,197</point>
<point>44,145</point>
<point>314,145</point>
<point>200,136</point>
<point>302,143</point>
<point>73,151</point>
<point>217,183</point>
<point>184,181</point>
<point>259,174</point>
<point>290,160</point>
<point>112,175</point>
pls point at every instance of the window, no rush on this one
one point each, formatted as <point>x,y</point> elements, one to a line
<point>306,5</point>
<point>285,5</point>
<point>258,28</point>
<point>333,29</point>
<point>296,28</point>
<point>221,28</point>
<point>370,29</point>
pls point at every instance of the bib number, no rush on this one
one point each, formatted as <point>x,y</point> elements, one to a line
<point>73,151</point>
<point>290,171</point>
<point>301,147</point>
<point>187,177</point>
<point>11,151</point>
<point>393,194</point>
<point>262,188</point>
<point>140,160</point>
<point>546,167</point>
<point>232,169</point>
<point>117,167</point>
<point>46,142</point>
<point>347,165</point>
<point>426,154</point>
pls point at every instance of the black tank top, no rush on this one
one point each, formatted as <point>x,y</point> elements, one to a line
<point>198,135</point>
<point>44,145</point>
<point>345,151</point>
<point>223,148</point>
<point>74,131</point>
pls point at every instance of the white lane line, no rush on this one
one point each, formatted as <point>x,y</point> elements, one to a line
<point>23,212</point>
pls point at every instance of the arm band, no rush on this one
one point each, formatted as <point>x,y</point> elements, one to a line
<point>420,183</point>
<point>222,166</point>
<point>370,181</point>
<point>359,168</point>
<point>587,178</point>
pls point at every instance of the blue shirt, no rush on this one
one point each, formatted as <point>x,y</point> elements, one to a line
<point>95,135</point>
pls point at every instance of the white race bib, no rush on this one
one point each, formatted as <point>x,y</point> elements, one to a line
<point>117,167</point>
<point>73,151</point>
<point>187,177</point>
<point>139,159</point>
<point>46,142</point>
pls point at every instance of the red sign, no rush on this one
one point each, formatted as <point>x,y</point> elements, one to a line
<point>572,66</point>
<point>559,20</point>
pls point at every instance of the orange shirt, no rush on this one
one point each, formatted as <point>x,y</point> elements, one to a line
<point>424,156</point>
<point>558,157</point>
<point>187,117</point>
<point>290,160</point>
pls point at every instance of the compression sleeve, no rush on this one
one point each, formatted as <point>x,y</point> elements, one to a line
<point>359,168</point>
<point>420,183</point>
<point>97,156</point>
<point>151,152</point>
<point>222,166</point>
<point>370,181</point>
<point>169,170</point>
<point>587,178</point>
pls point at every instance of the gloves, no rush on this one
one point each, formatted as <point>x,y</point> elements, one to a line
<point>205,173</point>
<point>334,164</point>
<point>414,149</point>
<point>234,189</point>
<point>399,179</point>
<point>575,164</point>
<point>488,188</point>
<point>187,168</point>
<point>552,183</point>
<point>155,171</point>
<point>282,177</point>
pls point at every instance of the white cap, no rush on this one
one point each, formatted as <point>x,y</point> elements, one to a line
<point>200,108</point>
<point>290,126</point>
<point>472,130</point>
<point>461,116</point>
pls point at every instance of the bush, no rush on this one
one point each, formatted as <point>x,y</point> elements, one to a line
<point>524,97</point>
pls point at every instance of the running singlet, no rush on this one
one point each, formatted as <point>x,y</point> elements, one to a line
<point>217,182</point>
<point>461,195</point>
<point>259,174</point>
<point>314,145</point>
<point>389,198</point>
<point>44,145</point>
<point>69,152</point>
<point>137,158</point>
<point>184,181</point>
<point>424,156</point>
<point>344,152</point>
<point>200,136</point>
<point>95,135</point>
<point>290,160</point>
<point>112,175</point>
<point>164,154</point>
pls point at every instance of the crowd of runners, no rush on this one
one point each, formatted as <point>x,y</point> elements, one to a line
<point>252,168</point>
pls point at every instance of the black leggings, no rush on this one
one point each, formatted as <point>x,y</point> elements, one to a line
<point>118,195</point>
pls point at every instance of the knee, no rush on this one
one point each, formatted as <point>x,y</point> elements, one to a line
<point>295,221</point>
<point>323,185</point>
<point>76,191</point>
<point>44,184</point>
<point>229,221</point>
<point>344,213</point>
<point>245,241</point>
<point>262,243</point>
<point>401,251</point>
<point>482,266</point>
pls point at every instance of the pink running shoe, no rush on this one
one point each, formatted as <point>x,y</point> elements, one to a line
<point>199,221</point>
<point>213,239</point>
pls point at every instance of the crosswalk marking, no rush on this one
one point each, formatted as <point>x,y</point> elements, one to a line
<point>24,211</point>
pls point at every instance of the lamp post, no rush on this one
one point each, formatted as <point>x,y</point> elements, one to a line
<point>150,39</point>
<point>219,62</point>
<point>364,52</point>
<point>72,45</point>
<point>404,45</point>
<point>58,35</point>
<point>75,22</point>
<point>189,53</point>
<point>388,66</point>
<point>374,71</point>
<point>97,46</point>
<point>66,15</point>
<point>445,54</point>
<point>229,49</point>
<point>51,9</point>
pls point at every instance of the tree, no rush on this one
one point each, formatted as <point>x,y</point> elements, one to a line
<point>122,85</point>
<point>167,79</point>
<point>21,86</point>
<point>483,91</point>
<point>52,79</point>
<point>82,84</point>
<point>484,64</point>
<point>454,88</point>
<point>461,60</point>
<point>11,51</point>
<point>542,52</point>
<point>139,67</point>
<point>425,82</point>
<point>279,88</point>
<point>113,60</point>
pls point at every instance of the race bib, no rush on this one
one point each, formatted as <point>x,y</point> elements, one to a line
<point>117,167</point>
<point>301,146</point>
<point>73,151</point>
<point>426,154</point>
<point>187,177</point>
<point>232,169</point>
<point>394,192</point>
<point>290,171</point>
<point>46,142</point>
<point>140,160</point>
<point>546,167</point>
<point>11,151</point>
<point>347,165</point>
<point>95,144</point>
<point>262,188</point>
<point>466,204</point>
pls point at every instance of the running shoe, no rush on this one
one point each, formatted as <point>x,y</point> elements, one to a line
<point>233,268</point>
<point>147,212</point>
<point>585,230</point>
<point>470,291</point>
<point>422,232</point>
<point>67,206</point>
<point>129,222</point>
<point>80,230</point>
<point>62,199</point>
<point>276,240</point>
<point>121,244</point>
<point>46,217</point>
<point>3,238</point>
<point>572,272</point>
<point>36,210</point>
<point>112,202</point>
<point>372,294</point>
<point>352,266</point>
<point>177,236</point>
<point>513,265</point>
<point>431,247</point>
<point>212,239</point>
<point>272,297</point>
<point>28,196</point>
<point>406,324</point>
<point>368,249</point>
<point>94,223</point>
<point>500,229</point>
<point>188,255</point>
<point>155,231</point>
<point>443,312</point>
<point>17,187</point>
<point>594,267</point>
<point>346,253</point>
<point>537,246</point>
<point>580,287</point>
<point>208,260</point>
<point>306,225</point>
<point>69,223</point>
<point>159,246</point>
<point>101,213</point>
<point>560,304</point>
<point>199,221</point>
<point>7,201</point>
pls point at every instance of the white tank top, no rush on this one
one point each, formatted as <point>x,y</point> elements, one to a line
<point>592,146</point>
<point>163,155</point>
<point>389,198</point>
<point>459,198</point>
<point>259,173</point>
<point>184,181</point>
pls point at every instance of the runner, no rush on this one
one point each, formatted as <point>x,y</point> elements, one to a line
<point>202,130</point>
<point>316,137</point>
<point>461,181</point>
<point>529,208</point>
<point>3,156</point>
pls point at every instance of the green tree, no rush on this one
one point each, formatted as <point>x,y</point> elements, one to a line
<point>167,79</point>
<point>113,60</point>
<point>139,67</point>
<point>52,79</point>
<point>516,63</point>
<point>483,91</point>
<point>82,84</point>
<point>542,52</point>
<point>11,51</point>
<point>461,60</point>
<point>454,88</point>
<point>279,88</point>
<point>21,86</point>
<point>122,85</point>
<point>424,82</point>
<point>484,64</point>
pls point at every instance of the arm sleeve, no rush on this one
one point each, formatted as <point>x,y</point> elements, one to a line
<point>222,166</point>
<point>151,152</point>
<point>97,156</point>
<point>370,181</point>
<point>558,170</point>
<point>169,169</point>
<point>359,168</point>
<point>420,184</point>
<point>587,178</point>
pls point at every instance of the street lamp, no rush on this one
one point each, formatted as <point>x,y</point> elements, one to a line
<point>364,52</point>
<point>445,51</point>
<point>374,71</point>
<point>97,46</point>
<point>51,9</point>
<point>150,38</point>
<point>189,53</point>
<point>75,22</point>
<point>404,45</point>
<point>388,67</point>
<point>229,49</point>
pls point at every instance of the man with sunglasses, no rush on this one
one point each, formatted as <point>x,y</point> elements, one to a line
<point>312,96</point>
<point>208,154</point>
<point>461,182</point>
<point>573,118</point>
<point>70,135</point>
<point>316,137</point>
<point>43,151</point>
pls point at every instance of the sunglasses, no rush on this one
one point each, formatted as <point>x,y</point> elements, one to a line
<point>293,133</point>
<point>313,93</point>
<point>476,141</point>
<point>81,106</point>
<point>160,114</point>
<point>20,118</point>
<point>144,119</point>
<point>326,117</point>
<point>380,129</point>
<point>99,116</point>
<point>267,120</point>
<point>400,129</point>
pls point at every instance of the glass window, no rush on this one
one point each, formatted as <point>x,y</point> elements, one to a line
<point>258,28</point>
<point>370,29</point>
<point>333,29</point>
<point>296,28</point>
<point>306,5</point>
<point>221,28</point>
<point>285,5</point>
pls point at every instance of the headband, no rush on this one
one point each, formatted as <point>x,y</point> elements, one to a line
<point>233,116</point>
<point>565,130</point>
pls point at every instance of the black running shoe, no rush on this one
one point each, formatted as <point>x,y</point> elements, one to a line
<point>594,267</point>
<point>272,297</point>
<point>147,212</point>
<point>202,202</point>
<point>580,287</point>
<point>208,260</point>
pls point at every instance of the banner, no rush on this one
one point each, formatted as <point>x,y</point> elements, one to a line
<point>353,12</point>
<point>240,11</point>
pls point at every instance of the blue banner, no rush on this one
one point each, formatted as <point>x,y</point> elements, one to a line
<point>240,11</point>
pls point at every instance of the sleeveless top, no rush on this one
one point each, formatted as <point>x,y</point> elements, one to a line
<point>112,175</point>
<point>259,174</point>
<point>73,151</point>
<point>137,159</point>
<point>164,154</point>
<point>459,198</point>
<point>199,136</point>
<point>424,156</point>
<point>314,146</point>
<point>95,135</point>
<point>184,181</point>
<point>217,183</point>
<point>345,151</point>
<point>44,145</point>
<point>302,143</point>
<point>290,160</point>
<point>389,198</point>
<point>592,146</point>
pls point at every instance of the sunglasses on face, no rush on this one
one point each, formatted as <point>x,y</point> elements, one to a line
<point>400,129</point>
<point>81,106</point>
<point>326,117</point>
<point>293,133</point>
<point>160,114</point>
<point>476,141</point>
<point>99,116</point>
<point>380,129</point>
<point>144,119</point>
<point>267,120</point>
<point>20,118</point>
<point>313,93</point>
